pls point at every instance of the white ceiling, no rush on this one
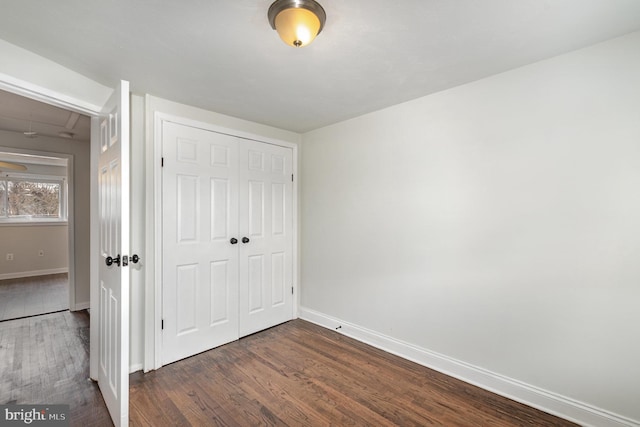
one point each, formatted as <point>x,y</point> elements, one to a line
<point>223,56</point>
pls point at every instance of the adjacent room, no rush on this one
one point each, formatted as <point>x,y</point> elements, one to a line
<point>33,235</point>
<point>412,213</point>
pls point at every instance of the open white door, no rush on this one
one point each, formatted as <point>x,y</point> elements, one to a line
<point>113,274</point>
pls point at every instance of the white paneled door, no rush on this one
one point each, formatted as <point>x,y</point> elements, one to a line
<point>113,274</point>
<point>200,217</point>
<point>266,225</point>
<point>227,238</point>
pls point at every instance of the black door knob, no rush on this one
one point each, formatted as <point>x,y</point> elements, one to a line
<point>111,261</point>
<point>245,240</point>
<point>233,241</point>
<point>135,259</point>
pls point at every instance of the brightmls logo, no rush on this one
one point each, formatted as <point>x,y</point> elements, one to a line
<point>35,415</point>
<point>28,416</point>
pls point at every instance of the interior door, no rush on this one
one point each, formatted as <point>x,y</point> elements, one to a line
<point>266,227</point>
<point>200,241</point>
<point>113,274</point>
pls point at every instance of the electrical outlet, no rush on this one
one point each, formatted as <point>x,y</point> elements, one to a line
<point>41,252</point>
<point>9,257</point>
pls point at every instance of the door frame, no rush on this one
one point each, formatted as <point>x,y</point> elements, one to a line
<point>42,94</point>
<point>153,290</point>
<point>46,96</point>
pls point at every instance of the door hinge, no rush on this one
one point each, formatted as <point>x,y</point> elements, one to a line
<point>292,290</point>
<point>162,162</point>
<point>291,177</point>
<point>162,324</point>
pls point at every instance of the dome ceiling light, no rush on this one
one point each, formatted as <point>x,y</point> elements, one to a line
<point>297,22</point>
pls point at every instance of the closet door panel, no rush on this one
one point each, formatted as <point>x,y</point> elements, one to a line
<point>265,206</point>
<point>200,217</point>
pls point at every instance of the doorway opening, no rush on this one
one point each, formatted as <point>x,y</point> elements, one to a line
<point>35,233</point>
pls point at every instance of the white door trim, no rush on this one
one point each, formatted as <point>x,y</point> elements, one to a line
<point>42,94</point>
<point>153,289</point>
<point>29,90</point>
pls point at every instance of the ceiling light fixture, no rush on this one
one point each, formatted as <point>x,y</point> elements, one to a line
<point>297,22</point>
<point>30,133</point>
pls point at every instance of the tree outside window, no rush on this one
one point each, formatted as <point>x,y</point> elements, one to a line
<point>3,199</point>
<point>31,199</point>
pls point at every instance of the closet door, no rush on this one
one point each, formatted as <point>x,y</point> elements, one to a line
<point>200,259</point>
<point>266,230</point>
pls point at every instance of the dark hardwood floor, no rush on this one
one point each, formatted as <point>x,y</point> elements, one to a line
<point>45,360</point>
<point>295,374</point>
<point>300,374</point>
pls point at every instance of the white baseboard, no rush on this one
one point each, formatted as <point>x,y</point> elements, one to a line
<point>546,401</point>
<point>34,273</point>
<point>135,368</point>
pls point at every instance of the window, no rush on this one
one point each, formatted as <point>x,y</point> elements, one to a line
<point>32,199</point>
<point>3,199</point>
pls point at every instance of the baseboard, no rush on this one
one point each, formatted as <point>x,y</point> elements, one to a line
<point>135,368</point>
<point>34,273</point>
<point>544,400</point>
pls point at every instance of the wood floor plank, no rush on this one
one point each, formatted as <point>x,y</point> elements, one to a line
<point>45,360</point>
<point>373,387</point>
<point>298,374</point>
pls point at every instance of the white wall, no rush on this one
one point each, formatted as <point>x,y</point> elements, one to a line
<point>496,223</point>
<point>25,243</point>
<point>81,190</point>
<point>31,75</point>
